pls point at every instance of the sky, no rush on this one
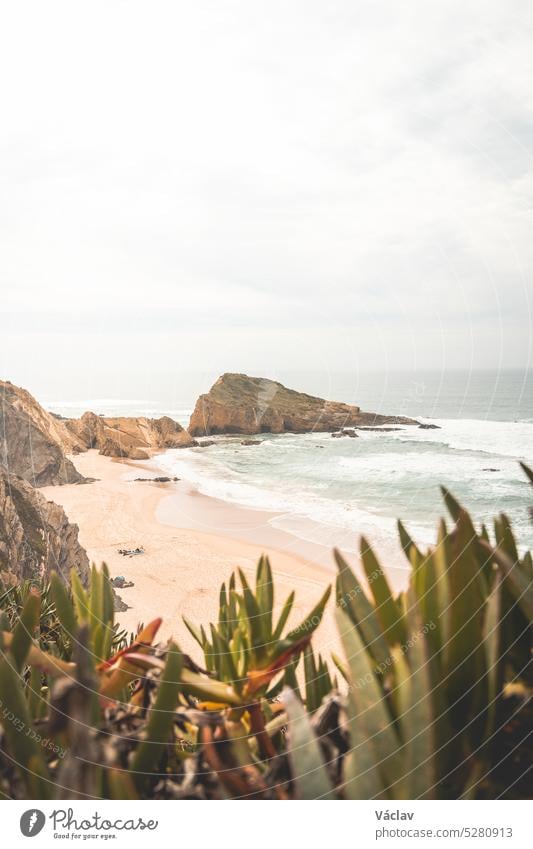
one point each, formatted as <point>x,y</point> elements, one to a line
<point>193,188</point>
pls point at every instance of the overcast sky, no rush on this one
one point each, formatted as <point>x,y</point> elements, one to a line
<point>196,187</point>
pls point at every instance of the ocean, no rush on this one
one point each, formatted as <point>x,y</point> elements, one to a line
<point>330,491</point>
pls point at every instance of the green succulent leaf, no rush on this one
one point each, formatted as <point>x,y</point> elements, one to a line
<point>160,719</point>
<point>375,742</point>
<point>284,615</point>
<point>25,629</point>
<point>454,508</point>
<point>80,597</point>
<point>20,733</point>
<point>406,540</point>
<point>492,639</point>
<point>64,606</point>
<point>307,763</point>
<point>352,599</point>
<point>265,596</point>
<point>418,717</point>
<point>195,632</point>
<point>516,578</point>
<point>527,471</point>
<point>311,622</point>
<point>463,652</point>
<point>387,611</point>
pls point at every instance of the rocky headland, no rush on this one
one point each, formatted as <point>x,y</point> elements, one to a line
<point>33,442</point>
<point>35,534</point>
<point>237,403</point>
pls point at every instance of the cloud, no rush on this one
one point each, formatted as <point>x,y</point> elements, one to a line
<point>266,183</point>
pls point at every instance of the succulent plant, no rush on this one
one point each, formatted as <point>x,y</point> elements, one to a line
<point>433,697</point>
<point>246,648</point>
<point>437,675</point>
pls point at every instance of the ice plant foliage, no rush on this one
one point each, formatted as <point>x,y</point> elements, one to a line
<point>432,697</point>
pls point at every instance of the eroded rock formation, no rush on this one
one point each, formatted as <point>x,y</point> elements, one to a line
<point>237,403</point>
<point>32,441</point>
<point>35,535</point>
<point>123,436</point>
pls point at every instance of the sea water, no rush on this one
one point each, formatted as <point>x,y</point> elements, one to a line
<point>333,490</point>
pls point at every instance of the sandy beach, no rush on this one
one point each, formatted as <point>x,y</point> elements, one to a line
<point>184,564</point>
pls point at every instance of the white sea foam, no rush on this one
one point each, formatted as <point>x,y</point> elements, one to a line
<point>351,486</point>
<point>513,439</point>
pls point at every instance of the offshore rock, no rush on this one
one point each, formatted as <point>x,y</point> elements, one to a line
<point>240,404</point>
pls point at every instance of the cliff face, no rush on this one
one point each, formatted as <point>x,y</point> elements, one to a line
<point>35,534</point>
<point>237,403</point>
<point>32,441</point>
<point>123,436</point>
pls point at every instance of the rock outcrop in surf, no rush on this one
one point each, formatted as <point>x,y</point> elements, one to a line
<point>237,403</point>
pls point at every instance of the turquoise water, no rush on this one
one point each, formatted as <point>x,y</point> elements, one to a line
<point>331,490</point>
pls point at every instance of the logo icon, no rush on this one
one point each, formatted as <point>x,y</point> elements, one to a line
<point>32,822</point>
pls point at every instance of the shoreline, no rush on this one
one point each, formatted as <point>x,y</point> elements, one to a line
<point>183,566</point>
<point>186,507</point>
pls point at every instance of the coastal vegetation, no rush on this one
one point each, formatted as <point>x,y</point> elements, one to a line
<point>431,697</point>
